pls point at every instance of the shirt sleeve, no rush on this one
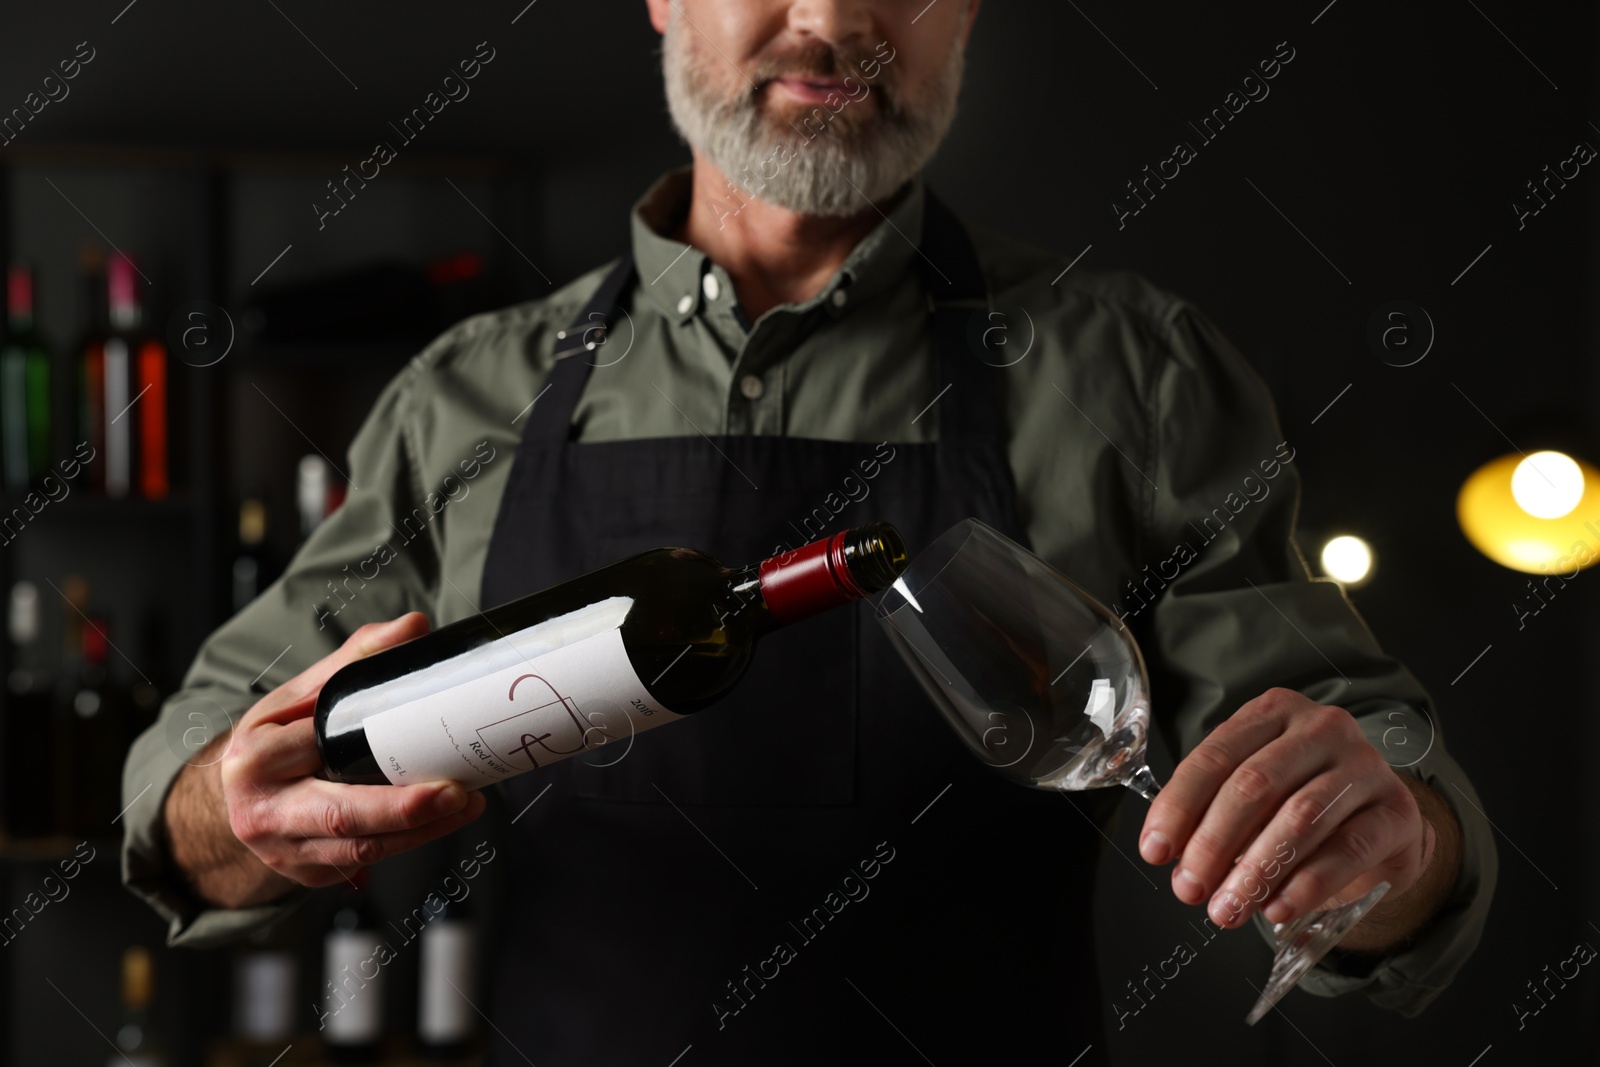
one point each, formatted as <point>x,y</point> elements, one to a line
<point>1230,610</point>
<point>345,574</point>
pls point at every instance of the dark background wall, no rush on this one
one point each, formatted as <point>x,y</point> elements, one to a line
<point>1383,163</point>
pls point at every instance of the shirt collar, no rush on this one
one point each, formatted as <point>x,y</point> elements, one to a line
<point>671,273</point>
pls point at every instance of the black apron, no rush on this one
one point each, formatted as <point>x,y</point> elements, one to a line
<point>767,881</point>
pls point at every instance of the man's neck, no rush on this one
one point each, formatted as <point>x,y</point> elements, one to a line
<point>774,256</point>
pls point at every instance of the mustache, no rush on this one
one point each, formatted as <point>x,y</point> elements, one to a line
<point>818,60</point>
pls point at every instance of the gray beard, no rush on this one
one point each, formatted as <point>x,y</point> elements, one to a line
<point>838,170</point>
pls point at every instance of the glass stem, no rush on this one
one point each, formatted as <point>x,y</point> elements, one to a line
<point>1143,782</point>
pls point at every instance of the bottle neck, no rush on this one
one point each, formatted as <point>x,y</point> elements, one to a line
<point>122,294</point>
<point>829,573</point>
<point>95,643</point>
<point>19,299</point>
<point>745,599</point>
<point>125,317</point>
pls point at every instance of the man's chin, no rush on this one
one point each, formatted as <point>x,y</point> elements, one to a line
<point>854,126</point>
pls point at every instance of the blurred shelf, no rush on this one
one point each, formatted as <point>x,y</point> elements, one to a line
<point>58,847</point>
<point>309,1050</point>
<point>111,156</point>
<point>207,219</point>
<point>326,355</point>
<point>82,505</point>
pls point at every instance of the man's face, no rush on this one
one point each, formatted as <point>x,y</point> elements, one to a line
<point>823,107</point>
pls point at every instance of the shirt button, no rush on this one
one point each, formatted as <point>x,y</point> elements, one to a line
<point>685,302</point>
<point>751,387</point>
<point>839,298</point>
<point>712,287</point>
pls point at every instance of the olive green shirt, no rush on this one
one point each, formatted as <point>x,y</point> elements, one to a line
<point>1148,462</point>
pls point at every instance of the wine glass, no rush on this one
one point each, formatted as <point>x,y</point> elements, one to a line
<point>1047,687</point>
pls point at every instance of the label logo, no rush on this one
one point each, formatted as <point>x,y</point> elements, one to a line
<point>551,728</point>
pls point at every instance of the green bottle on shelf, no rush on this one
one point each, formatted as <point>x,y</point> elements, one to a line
<point>24,388</point>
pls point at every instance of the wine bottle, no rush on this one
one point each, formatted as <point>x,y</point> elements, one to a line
<point>24,388</point>
<point>27,727</point>
<point>353,956</point>
<point>64,727</point>
<point>97,719</point>
<point>248,565</point>
<point>446,981</point>
<point>119,372</point>
<point>312,486</point>
<point>263,1003</point>
<point>145,693</point>
<point>622,649</point>
<point>154,476</point>
<point>136,1043</point>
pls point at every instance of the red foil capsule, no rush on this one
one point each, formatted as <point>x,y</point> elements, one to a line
<point>809,580</point>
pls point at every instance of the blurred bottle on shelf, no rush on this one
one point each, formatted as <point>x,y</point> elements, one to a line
<point>136,1042</point>
<point>116,375</point>
<point>447,981</point>
<point>155,479</point>
<point>264,1013</point>
<point>353,978</point>
<point>134,370</point>
<point>96,736</point>
<point>90,377</point>
<point>146,692</point>
<point>317,493</point>
<point>27,727</point>
<point>250,568</point>
<point>24,388</point>
<point>75,593</point>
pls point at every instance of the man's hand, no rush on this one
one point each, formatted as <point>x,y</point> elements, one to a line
<point>247,827</point>
<point>1287,807</point>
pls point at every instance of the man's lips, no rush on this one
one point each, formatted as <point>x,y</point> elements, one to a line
<point>812,90</point>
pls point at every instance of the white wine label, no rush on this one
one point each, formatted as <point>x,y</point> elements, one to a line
<point>445,1013</point>
<point>264,1002</point>
<point>119,431</point>
<point>551,691</point>
<point>353,997</point>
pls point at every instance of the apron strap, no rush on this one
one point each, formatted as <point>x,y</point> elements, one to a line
<point>571,371</point>
<point>959,298</point>
<point>957,295</point>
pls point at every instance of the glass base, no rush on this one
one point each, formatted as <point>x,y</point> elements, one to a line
<point>1303,943</point>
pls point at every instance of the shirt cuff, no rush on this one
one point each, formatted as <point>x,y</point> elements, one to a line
<point>1409,977</point>
<point>147,868</point>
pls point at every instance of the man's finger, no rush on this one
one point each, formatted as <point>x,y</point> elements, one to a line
<point>1370,846</point>
<point>278,753</point>
<point>1253,796</point>
<point>1183,801</point>
<point>347,853</point>
<point>1293,835</point>
<point>290,700</point>
<point>312,808</point>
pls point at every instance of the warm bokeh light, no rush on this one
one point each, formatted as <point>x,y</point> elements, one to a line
<point>1497,508</point>
<point>1547,485</point>
<point>1347,559</point>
